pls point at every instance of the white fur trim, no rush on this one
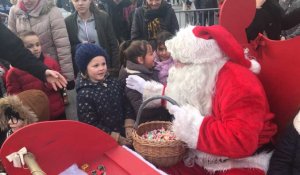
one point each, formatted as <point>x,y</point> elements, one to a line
<point>255,66</point>
<point>187,124</point>
<point>296,122</point>
<point>131,71</point>
<point>214,163</point>
<point>152,88</point>
<point>193,50</point>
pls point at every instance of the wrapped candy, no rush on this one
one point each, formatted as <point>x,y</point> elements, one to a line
<point>159,135</point>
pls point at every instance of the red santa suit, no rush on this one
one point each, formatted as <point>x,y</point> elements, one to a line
<point>224,115</point>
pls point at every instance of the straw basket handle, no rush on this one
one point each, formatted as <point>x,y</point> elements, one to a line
<point>138,117</point>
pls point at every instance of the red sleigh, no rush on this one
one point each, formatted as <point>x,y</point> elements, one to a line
<point>59,144</point>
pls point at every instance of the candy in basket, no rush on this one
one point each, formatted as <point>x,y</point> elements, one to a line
<point>161,152</point>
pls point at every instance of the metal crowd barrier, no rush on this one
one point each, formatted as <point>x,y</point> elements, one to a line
<point>204,17</point>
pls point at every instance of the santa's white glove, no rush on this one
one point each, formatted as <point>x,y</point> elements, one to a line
<point>136,83</point>
<point>186,124</point>
<point>176,110</point>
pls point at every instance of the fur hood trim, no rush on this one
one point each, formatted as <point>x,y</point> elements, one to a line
<point>16,104</point>
<point>213,163</point>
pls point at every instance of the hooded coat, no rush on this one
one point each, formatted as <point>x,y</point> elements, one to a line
<point>31,105</point>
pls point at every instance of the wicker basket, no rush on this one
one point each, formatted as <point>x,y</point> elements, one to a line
<point>161,154</point>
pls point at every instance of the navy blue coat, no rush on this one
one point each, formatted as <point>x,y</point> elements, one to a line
<point>103,104</point>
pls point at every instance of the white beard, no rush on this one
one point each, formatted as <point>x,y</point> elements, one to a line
<point>194,84</point>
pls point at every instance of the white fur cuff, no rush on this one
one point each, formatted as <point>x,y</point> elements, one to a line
<point>255,66</point>
<point>297,122</point>
<point>151,89</point>
<point>187,124</point>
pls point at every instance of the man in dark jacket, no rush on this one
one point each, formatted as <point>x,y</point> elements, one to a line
<point>13,51</point>
<point>149,20</point>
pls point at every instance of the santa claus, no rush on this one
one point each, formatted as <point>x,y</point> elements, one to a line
<point>223,115</point>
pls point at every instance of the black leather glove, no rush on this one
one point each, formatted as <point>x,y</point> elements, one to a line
<point>71,85</point>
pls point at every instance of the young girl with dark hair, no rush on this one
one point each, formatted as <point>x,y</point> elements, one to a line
<point>137,59</point>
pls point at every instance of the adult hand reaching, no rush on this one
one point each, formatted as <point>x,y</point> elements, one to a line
<point>55,79</point>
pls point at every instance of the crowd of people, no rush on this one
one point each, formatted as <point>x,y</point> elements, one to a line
<point>113,59</point>
<point>69,46</point>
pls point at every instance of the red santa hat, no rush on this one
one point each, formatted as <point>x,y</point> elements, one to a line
<point>200,44</point>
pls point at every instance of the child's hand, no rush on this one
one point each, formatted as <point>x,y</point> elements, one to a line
<point>125,141</point>
<point>129,123</point>
<point>128,132</point>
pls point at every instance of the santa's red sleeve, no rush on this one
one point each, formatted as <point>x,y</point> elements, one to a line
<point>240,121</point>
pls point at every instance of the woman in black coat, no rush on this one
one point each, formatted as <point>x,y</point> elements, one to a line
<point>152,18</point>
<point>270,20</point>
<point>286,157</point>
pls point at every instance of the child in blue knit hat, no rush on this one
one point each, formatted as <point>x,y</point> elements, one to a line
<point>101,100</point>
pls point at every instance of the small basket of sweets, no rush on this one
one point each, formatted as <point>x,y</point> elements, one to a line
<point>155,140</point>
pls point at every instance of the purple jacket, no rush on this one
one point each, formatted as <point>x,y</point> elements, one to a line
<point>163,68</point>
